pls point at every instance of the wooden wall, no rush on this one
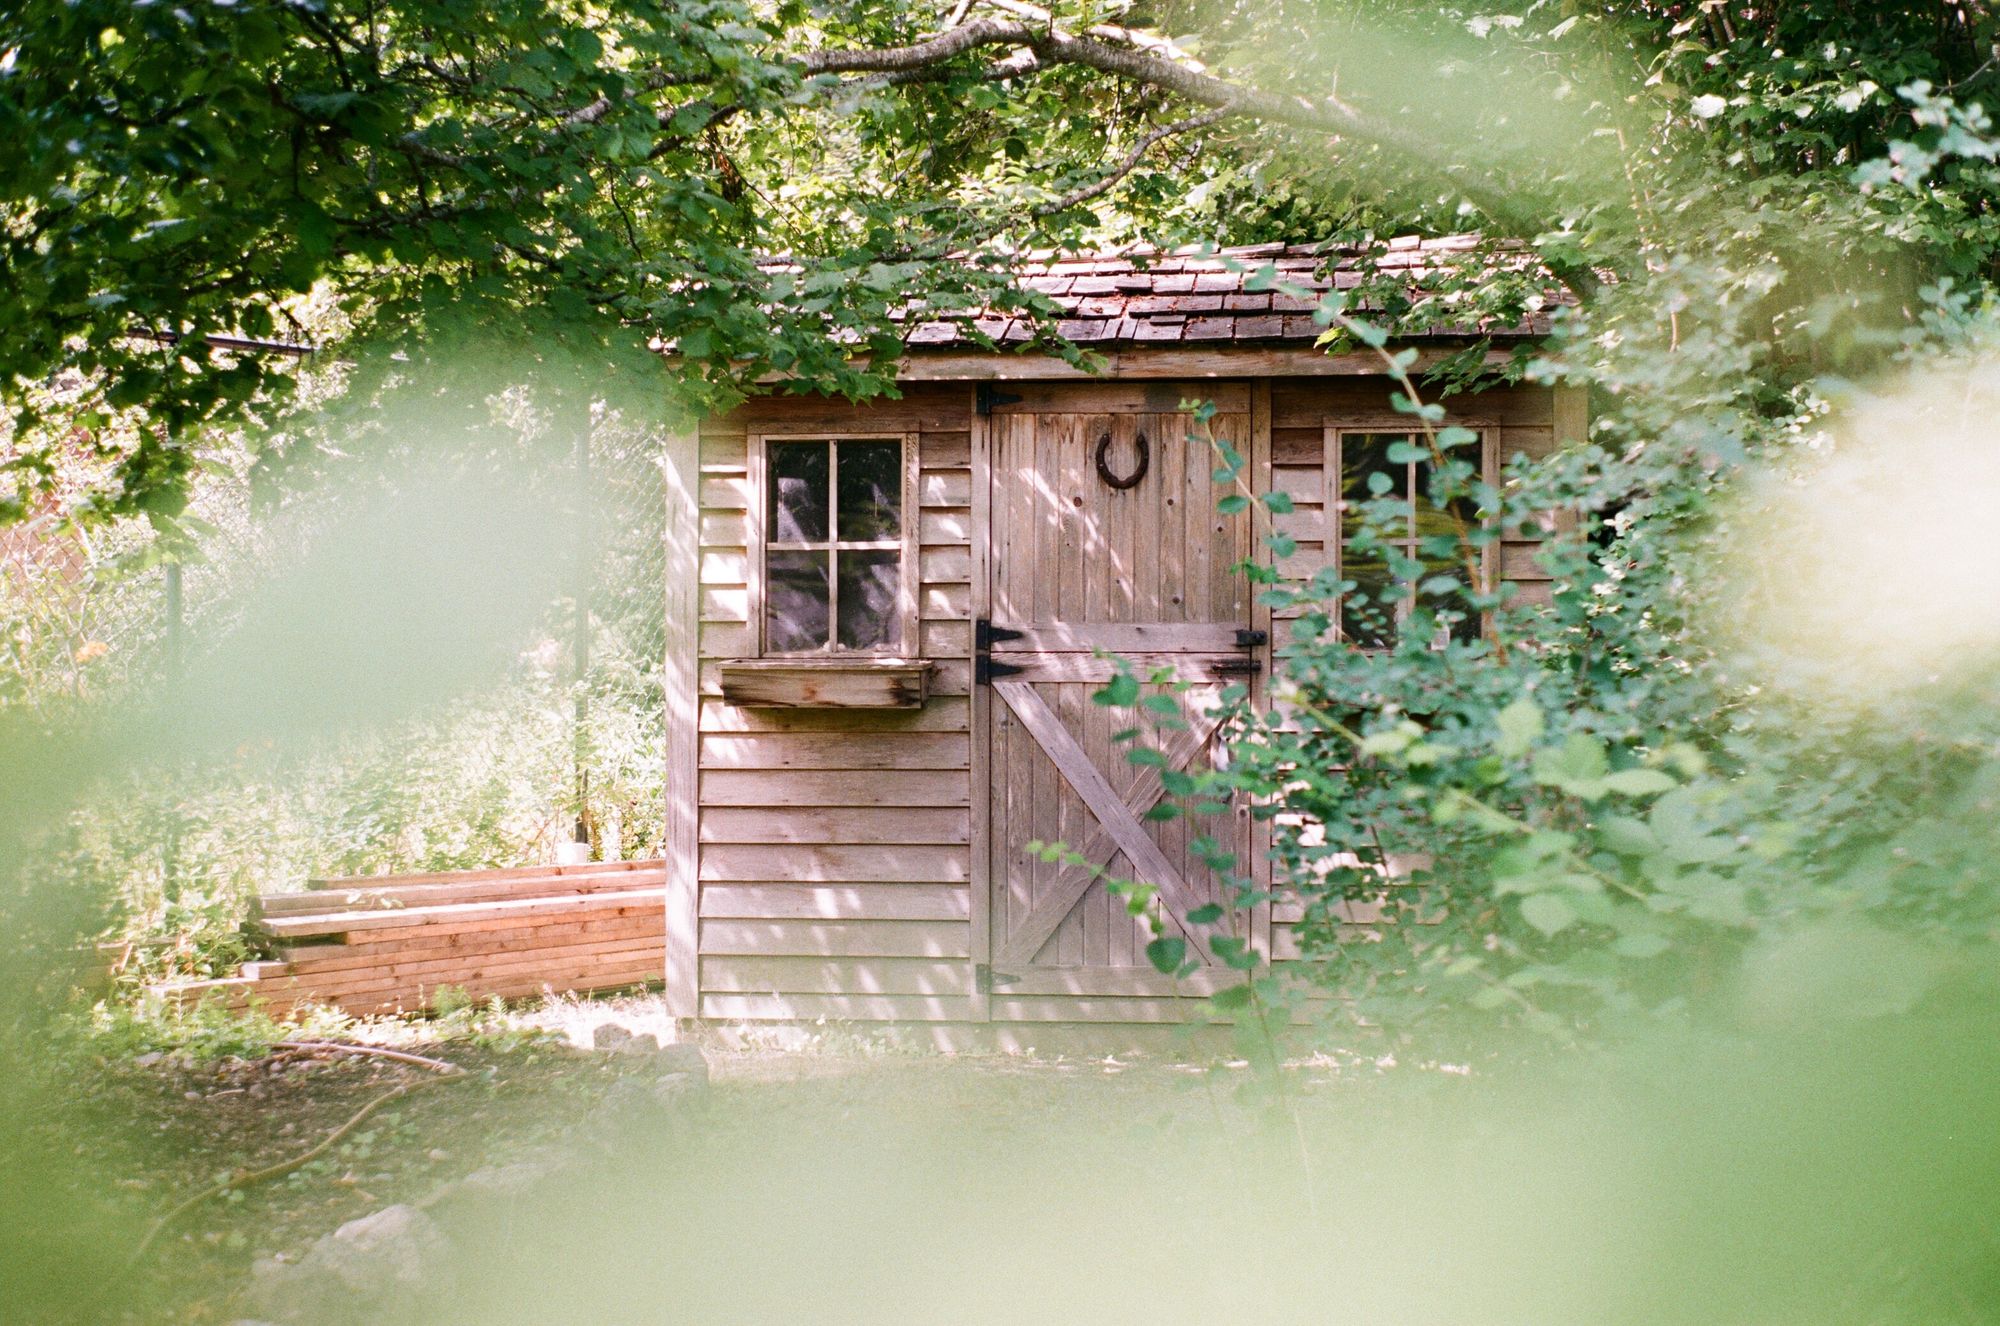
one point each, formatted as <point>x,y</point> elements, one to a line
<point>833,851</point>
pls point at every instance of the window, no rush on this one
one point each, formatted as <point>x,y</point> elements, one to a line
<point>835,556</point>
<point>1422,541</point>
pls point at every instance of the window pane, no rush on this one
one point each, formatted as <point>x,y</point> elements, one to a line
<point>796,597</point>
<point>871,491</point>
<point>1362,454</point>
<point>1365,619</point>
<point>870,584</point>
<point>798,483</point>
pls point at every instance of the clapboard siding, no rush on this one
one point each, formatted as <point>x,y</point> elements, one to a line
<point>834,853</point>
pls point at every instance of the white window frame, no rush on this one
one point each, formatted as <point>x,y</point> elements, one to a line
<point>1335,470</point>
<point>761,544</point>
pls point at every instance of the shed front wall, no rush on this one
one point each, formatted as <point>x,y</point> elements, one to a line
<point>834,860</point>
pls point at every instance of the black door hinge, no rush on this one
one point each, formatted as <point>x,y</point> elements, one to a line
<point>985,671</point>
<point>1238,667</point>
<point>984,398</point>
<point>1247,639</point>
<point>985,634</point>
<point>984,978</point>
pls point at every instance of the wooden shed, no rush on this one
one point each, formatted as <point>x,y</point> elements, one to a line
<point>884,625</point>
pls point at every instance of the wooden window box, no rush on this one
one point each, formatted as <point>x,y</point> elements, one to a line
<point>827,683</point>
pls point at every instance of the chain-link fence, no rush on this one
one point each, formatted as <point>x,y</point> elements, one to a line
<point>571,735</point>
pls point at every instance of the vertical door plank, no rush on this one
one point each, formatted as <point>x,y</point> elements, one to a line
<point>681,685</point>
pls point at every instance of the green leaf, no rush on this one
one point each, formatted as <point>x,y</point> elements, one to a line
<point>1206,914</point>
<point>1521,725</point>
<point>1404,453</point>
<point>1167,953</point>
<point>1277,503</point>
<point>1233,504</point>
<point>1122,691</point>
<point>1642,944</point>
<point>1547,912</point>
<point>1639,782</point>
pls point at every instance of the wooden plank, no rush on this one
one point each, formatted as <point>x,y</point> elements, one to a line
<point>1304,484</point>
<point>1569,416</point>
<point>1139,362</point>
<point>1028,931</point>
<point>725,529</point>
<point>870,976</point>
<point>945,488</point>
<point>725,566</point>
<point>939,602</point>
<point>945,563</point>
<point>979,936</point>
<point>1124,982</point>
<point>385,937</point>
<point>453,913</point>
<point>948,713</point>
<point>1048,668</point>
<point>836,902</point>
<point>738,787</point>
<point>853,1008</point>
<point>836,750</point>
<point>1119,637</point>
<point>882,939</point>
<point>1106,805</point>
<point>724,492</point>
<point>947,450</point>
<point>1107,396</point>
<point>820,683</point>
<point>680,700</point>
<point>835,824</point>
<point>319,902</point>
<point>725,603</point>
<point>311,961</point>
<point>1522,561</point>
<point>552,875</point>
<point>945,639</point>
<point>723,452</point>
<point>467,968</point>
<point>945,524</point>
<point>728,639</point>
<point>1068,1008</point>
<point>834,862</point>
<point>922,407</point>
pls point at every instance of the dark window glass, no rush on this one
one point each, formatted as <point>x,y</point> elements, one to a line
<point>1363,454</point>
<point>871,491</point>
<point>1424,542</point>
<point>870,587</point>
<point>1365,618</point>
<point>796,601</point>
<point>798,479</point>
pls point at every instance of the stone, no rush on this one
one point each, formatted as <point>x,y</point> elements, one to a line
<point>609,1036</point>
<point>382,1267</point>
<point>681,1057</point>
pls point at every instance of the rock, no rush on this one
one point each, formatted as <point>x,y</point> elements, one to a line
<point>148,1059</point>
<point>382,1267</point>
<point>609,1036</point>
<point>681,1057</point>
<point>639,1044</point>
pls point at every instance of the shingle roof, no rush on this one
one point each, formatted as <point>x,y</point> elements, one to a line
<point>1192,296</point>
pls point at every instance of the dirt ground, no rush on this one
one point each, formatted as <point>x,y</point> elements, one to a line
<point>166,1126</point>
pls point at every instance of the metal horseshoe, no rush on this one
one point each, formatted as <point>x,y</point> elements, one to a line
<point>1138,471</point>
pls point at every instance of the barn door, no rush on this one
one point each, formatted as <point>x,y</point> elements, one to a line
<point>1104,537</point>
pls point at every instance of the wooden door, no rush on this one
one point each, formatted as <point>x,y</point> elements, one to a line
<point>1105,536</point>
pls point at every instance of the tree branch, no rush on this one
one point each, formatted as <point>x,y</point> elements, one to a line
<point>1112,52</point>
<point>1131,162</point>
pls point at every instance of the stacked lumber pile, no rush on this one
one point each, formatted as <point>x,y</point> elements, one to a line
<point>387,945</point>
